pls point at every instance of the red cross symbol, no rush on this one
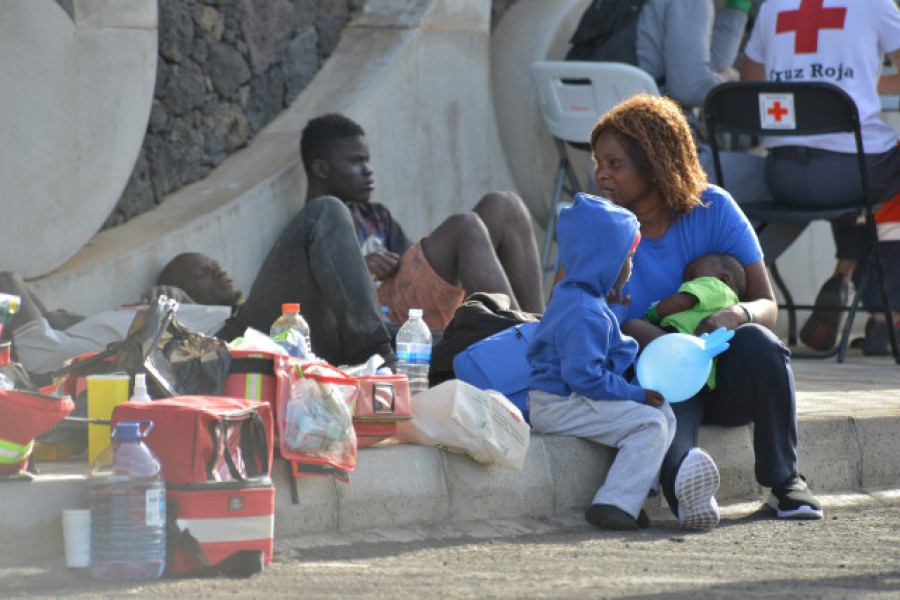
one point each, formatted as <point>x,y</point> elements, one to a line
<point>806,22</point>
<point>777,111</point>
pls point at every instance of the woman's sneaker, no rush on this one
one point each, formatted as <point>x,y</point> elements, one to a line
<point>695,485</point>
<point>793,500</point>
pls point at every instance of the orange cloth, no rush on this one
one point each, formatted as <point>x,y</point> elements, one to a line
<point>889,212</point>
<point>416,285</point>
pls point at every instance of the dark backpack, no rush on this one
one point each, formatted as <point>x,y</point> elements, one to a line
<point>480,316</point>
<point>607,31</point>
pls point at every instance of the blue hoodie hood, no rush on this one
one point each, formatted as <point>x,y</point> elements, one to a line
<point>578,346</point>
<point>594,237</point>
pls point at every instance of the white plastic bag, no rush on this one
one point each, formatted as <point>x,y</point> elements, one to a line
<point>459,417</point>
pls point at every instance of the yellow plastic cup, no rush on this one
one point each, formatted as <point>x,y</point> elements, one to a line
<point>104,393</point>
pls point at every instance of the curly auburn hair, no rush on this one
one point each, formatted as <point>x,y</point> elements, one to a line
<point>654,131</point>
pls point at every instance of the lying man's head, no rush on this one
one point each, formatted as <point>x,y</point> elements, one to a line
<point>201,278</point>
<point>336,159</point>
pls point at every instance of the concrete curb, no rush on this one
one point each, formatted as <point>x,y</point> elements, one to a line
<point>396,486</point>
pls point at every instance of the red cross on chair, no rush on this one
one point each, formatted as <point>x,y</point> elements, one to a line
<point>777,110</point>
<point>806,22</point>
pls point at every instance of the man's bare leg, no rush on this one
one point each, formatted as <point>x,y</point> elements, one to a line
<point>460,252</point>
<point>509,224</point>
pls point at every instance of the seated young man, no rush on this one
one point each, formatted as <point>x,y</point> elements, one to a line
<point>329,255</point>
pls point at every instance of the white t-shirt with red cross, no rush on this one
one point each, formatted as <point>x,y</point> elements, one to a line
<point>838,41</point>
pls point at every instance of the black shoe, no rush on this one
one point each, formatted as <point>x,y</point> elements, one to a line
<point>607,516</point>
<point>876,341</point>
<point>821,328</point>
<point>793,500</point>
<point>643,520</point>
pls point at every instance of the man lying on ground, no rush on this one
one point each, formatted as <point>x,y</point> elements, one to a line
<point>43,339</point>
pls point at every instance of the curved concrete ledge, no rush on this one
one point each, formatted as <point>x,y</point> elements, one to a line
<point>416,77</point>
<point>78,87</point>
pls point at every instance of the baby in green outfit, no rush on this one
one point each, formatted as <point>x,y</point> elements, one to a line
<point>711,283</point>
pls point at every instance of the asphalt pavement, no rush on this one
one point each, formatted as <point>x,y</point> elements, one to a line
<point>853,553</point>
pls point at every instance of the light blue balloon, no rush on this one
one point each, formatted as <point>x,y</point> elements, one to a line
<point>677,364</point>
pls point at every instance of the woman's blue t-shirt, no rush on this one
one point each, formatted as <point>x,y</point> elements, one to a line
<point>718,227</point>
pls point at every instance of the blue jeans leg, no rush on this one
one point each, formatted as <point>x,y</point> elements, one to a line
<point>317,262</point>
<point>754,384</point>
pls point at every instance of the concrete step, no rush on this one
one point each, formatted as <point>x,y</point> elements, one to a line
<point>848,416</point>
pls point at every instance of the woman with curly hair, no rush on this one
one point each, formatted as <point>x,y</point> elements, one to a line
<point>646,162</point>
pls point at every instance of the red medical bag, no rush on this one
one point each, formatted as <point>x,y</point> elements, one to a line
<point>382,404</point>
<point>216,455</point>
<point>384,400</point>
<point>26,415</point>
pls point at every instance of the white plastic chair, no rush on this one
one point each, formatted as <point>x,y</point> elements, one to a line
<point>572,96</point>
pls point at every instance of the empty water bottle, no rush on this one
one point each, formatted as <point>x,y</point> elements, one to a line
<point>414,351</point>
<point>128,508</point>
<point>291,319</point>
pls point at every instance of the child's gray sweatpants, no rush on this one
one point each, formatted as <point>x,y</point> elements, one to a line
<point>641,433</point>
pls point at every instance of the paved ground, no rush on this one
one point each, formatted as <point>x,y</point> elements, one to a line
<point>861,385</point>
<point>853,553</point>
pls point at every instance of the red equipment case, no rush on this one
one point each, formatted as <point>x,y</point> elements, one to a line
<point>384,402</point>
<point>216,454</point>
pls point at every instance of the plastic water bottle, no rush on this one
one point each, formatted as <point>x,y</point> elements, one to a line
<point>414,351</point>
<point>128,509</point>
<point>291,319</point>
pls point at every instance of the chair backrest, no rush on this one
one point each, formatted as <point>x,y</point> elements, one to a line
<point>574,94</point>
<point>782,109</point>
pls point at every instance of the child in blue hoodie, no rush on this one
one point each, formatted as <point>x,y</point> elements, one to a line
<point>578,358</point>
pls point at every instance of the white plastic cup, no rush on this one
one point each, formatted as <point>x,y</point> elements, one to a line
<point>77,537</point>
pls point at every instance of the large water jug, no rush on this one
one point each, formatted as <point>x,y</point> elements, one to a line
<point>128,508</point>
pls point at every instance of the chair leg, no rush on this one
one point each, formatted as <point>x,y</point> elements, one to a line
<point>574,185</point>
<point>787,305</point>
<point>851,315</point>
<point>566,182</point>
<point>551,219</point>
<point>882,284</point>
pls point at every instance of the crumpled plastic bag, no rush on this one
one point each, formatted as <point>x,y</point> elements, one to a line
<point>178,361</point>
<point>458,417</point>
<point>289,342</point>
<point>256,341</point>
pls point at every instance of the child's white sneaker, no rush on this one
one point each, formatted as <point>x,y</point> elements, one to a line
<point>696,482</point>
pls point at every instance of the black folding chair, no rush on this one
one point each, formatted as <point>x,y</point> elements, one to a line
<point>793,109</point>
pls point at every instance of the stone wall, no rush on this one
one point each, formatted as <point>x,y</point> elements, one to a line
<point>226,68</point>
